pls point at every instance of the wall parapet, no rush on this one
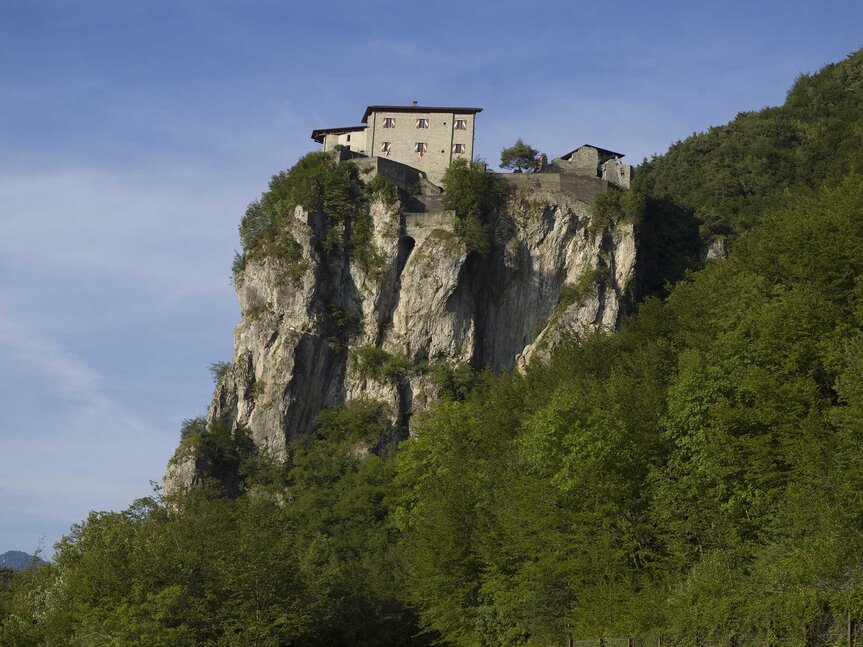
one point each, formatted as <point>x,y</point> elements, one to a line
<point>582,187</point>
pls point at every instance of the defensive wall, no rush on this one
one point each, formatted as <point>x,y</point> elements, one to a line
<point>582,187</point>
<point>419,225</point>
<point>402,175</point>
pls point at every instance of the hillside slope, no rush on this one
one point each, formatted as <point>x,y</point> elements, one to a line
<point>728,176</point>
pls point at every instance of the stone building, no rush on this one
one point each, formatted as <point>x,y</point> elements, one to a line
<point>593,161</point>
<point>426,138</point>
<point>352,137</point>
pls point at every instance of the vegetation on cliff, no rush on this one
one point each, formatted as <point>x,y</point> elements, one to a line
<point>696,475</point>
<point>476,196</point>
<point>319,184</point>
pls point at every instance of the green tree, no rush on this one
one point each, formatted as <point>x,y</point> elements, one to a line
<point>518,157</point>
<point>477,197</point>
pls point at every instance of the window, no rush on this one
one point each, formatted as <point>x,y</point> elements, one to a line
<point>386,148</point>
<point>389,122</point>
<point>422,123</point>
<point>421,148</point>
<point>458,149</point>
<point>460,124</point>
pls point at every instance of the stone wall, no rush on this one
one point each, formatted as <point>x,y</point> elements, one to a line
<point>403,176</point>
<point>584,161</point>
<point>581,187</point>
<point>419,225</point>
<point>617,173</point>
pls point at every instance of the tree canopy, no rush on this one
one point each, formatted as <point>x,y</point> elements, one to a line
<point>518,157</point>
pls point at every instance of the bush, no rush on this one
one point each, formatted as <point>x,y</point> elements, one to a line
<point>357,421</point>
<point>457,382</point>
<point>193,428</point>
<point>379,186</point>
<point>317,183</point>
<point>378,364</point>
<point>624,205</point>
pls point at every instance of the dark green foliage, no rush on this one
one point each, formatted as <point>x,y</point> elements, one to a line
<point>225,456</point>
<point>306,559</point>
<point>381,187</point>
<point>730,174</point>
<point>519,156</point>
<point>476,196</point>
<point>216,572</point>
<point>458,381</point>
<point>669,246</point>
<point>317,183</point>
<point>360,421</point>
<point>616,205</point>
<point>238,264</point>
<point>722,182</point>
<point>193,428</point>
<point>341,324</point>
<point>586,283</point>
<point>694,473</point>
<point>228,455</point>
<point>380,365</point>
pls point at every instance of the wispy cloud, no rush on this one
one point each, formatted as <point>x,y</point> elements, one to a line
<point>80,450</point>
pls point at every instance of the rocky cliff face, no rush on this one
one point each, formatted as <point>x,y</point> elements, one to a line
<point>328,329</point>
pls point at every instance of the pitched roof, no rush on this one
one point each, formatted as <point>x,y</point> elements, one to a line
<point>602,151</point>
<point>415,108</point>
<point>319,134</point>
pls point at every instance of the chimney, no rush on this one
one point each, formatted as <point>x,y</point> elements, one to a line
<point>414,104</point>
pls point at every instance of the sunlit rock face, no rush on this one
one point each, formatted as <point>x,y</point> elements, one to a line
<point>551,273</point>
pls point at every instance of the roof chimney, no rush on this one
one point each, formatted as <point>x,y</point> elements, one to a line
<point>414,104</point>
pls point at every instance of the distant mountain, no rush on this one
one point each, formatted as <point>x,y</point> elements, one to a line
<point>18,560</point>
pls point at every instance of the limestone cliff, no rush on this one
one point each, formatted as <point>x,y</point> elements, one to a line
<point>322,330</point>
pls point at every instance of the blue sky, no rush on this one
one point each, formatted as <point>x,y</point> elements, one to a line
<point>133,134</point>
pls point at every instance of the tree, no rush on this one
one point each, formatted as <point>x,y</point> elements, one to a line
<point>476,196</point>
<point>519,157</point>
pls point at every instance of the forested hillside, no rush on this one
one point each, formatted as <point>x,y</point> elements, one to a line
<point>697,475</point>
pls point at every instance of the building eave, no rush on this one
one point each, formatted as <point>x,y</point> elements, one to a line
<point>605,151</point>
<point>319,134</point>
<point>448,109</point>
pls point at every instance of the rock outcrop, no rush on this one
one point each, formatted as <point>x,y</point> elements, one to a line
<point>310,326</point>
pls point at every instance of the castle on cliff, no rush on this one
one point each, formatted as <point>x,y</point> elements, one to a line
<point>429,138</point>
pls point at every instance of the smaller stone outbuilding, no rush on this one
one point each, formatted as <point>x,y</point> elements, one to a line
<point>350,137</point>
<point>593,161</point>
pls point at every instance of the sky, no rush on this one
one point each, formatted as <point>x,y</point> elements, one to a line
<point>134,134</point>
